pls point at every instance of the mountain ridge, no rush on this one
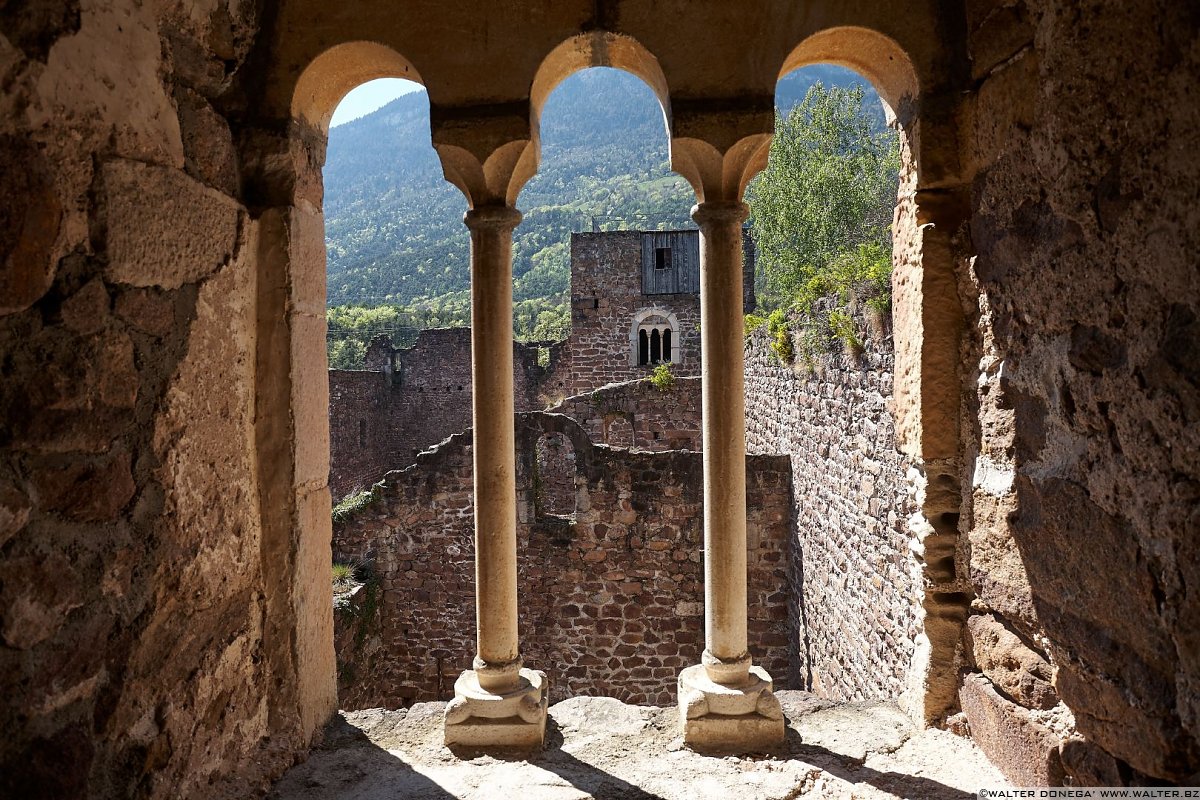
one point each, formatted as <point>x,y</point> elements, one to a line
<point>394,231</point>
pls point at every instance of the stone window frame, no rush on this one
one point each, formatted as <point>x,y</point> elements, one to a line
<point>640,323</point>
<point>718,161</point>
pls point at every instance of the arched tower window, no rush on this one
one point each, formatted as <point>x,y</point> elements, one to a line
<point>654,338</point>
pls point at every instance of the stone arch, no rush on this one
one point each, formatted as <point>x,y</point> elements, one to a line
<point>593,49</point>
<point>927,327</point>
<point>640,318</point>
<point>330,76</point>
<point>292,384</point>
<point>878,58</point>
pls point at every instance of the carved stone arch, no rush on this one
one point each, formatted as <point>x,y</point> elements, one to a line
<point>645,314</point>
<point>593,49</point>
<point>330,76</point>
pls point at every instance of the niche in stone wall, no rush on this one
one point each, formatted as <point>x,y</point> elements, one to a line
<point>555,487</point>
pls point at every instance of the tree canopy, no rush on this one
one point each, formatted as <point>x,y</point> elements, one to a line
<point>821,210</point>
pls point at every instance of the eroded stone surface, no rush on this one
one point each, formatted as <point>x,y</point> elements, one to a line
<point>602,748</point>
<point>164,229</point>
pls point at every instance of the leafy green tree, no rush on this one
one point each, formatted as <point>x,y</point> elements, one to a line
<point>346,354</point>
<point>827,193</point>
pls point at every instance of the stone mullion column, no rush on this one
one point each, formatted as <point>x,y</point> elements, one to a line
<point>497,703</point>
<point>722,368</point>
<point>497,662</point>
<point>725,702</point>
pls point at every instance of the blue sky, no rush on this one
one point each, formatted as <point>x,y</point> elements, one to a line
<point>371,95</point>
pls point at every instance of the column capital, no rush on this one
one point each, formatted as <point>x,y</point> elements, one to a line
<point>730,212</point>
<point>492,217</point>
<point>720,174</point>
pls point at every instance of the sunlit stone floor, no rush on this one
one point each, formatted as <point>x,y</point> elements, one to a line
<point>602,748</point>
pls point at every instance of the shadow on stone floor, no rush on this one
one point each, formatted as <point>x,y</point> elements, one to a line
<point>585,777</point>
<point>852,771</point>
<point>349,766</point>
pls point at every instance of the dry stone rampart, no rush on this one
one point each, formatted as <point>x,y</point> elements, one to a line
<point>611,594</point>
<point>855,590</point>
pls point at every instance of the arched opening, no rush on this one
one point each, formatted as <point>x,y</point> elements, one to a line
<point>653,338</point>
<point>660,343</point>
<point>402,642</point>
<point>619,89</point>
<point>396,272</point>
<point>829,294</point>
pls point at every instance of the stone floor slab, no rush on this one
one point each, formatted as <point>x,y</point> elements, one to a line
<point>602,749</point>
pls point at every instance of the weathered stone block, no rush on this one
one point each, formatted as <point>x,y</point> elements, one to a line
<point>1024,749</point>
<point>1018,671</point>
<point>164,229</point>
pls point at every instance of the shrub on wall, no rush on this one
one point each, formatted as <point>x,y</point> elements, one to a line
<point>662,378</point>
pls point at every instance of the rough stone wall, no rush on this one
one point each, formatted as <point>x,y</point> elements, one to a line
<point>132,597</point>
<point>855,584</point>
<point>1083,412</point>
<point>359,429</point>
<point>611,601</point>
<point>380,420</point>
<point>638,414</point>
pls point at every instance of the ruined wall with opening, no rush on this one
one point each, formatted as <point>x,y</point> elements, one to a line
<point>639,414</point>
<point>379,420</point>
<point>1082,415</point>
<point>856,587</point>
<point>611,595</point>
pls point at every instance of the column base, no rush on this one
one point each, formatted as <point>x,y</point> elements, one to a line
<point>723,718</point>
<point>477,717</point>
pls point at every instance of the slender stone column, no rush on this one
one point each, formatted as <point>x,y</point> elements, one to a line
<point>725,703</point>
<point>497,703</point>
<point>494,445</point>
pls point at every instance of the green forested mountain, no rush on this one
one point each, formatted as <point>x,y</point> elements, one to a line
<point>394,226</point>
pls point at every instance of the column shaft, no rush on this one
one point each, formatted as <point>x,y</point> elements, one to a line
<point>722,370</point>
<point>494,445</point>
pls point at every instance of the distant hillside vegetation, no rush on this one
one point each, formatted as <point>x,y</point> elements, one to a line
<point>394,226</point>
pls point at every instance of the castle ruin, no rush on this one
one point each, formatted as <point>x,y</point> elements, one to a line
<point>165,535</point>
